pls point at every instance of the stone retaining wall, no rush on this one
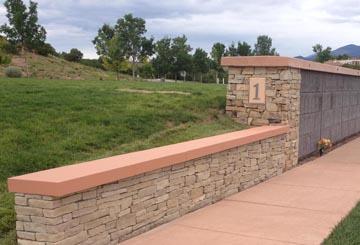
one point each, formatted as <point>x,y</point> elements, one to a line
<point>114,212</point>
<point>282,94</point>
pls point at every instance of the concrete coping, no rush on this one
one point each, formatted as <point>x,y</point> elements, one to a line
<point>278,61</point>
<point>70,179</point>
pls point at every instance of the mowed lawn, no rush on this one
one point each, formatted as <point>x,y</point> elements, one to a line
<point>348,231</point>
<point>50,123</point>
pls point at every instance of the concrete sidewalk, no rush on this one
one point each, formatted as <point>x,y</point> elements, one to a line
<point>299,207</point>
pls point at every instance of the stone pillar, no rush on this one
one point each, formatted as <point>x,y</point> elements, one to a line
<point>281,105</point>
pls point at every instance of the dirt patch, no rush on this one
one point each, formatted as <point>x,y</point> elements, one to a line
<point>152,91</point>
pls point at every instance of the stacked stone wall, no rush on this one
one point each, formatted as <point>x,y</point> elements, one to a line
<point>282,96</point>
<point>114,212</point>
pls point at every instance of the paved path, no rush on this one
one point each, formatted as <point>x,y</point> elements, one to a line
<point>299,207</point>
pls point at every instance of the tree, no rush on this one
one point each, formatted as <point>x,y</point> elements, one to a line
<point>164,59</point>
<point>231,50</point>
<point>217,52</point>
<point>23,28</point>
<point>46,49</point>
<point>182,59</point>
<point>244,49</point>
<point>109,52</point>
<point>264,46</point>
<point>129,34</point>
<point>124,41</point>
<point>241,49</point>
<point>74,55</point>
<point>322,55</point>
<point>200,62</point>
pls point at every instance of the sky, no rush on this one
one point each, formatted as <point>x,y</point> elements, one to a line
<point>294,25</point>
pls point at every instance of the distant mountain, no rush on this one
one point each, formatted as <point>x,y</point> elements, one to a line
<point>352,50</point>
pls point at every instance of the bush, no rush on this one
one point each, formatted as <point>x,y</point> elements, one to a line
<point>74,55</point>
<point>4,59</point>
<point>96,63</point>
<point>13,71</point>
<point>46,50</point>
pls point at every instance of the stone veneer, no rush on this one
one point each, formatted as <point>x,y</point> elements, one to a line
<point>114,212</point>
<point>282,102</point>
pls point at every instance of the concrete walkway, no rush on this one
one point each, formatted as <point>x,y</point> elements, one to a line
<point>299,207</point>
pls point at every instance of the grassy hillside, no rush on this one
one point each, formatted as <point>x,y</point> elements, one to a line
<point>49,123</point>
<point>56,68</point>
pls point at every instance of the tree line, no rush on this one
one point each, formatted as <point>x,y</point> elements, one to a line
<point>125,47</point>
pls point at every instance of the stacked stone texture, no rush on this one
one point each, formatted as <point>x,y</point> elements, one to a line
<point>282,102</point>
<point>114,212</point>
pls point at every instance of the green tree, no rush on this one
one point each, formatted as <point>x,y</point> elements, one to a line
<point>164,58</point>
<point>181,53</point>
<point>74,55</point>
<point>322,55</point>
<point>217,52</point>
<point>129,35</point>
<point>231,50</point>
<point>200,62</point>
<point>46,49</point>
<point>244,49</point>
<point>264,46</point>
<point>23,28</point>
<point>126,40</point>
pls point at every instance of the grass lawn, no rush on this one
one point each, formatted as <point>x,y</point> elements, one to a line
<point>348,231</point>
<point>50,123</point>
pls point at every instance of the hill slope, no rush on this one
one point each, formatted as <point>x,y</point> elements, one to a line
<point>352,50</point>
<point>52,67</point>
<point>62,122</point>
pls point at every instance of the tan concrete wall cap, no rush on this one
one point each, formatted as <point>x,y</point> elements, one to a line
<point>66,180</point>
<point>278,61</point>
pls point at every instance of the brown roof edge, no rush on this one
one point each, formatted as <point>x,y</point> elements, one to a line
<point>279,61</point>
<point>70,179</point>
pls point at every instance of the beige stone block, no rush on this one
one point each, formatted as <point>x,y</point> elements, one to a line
<point>35,227</point>
<point>97,230</point>
<point>147,191</point>
<point>120,233</point>
<point>44,203</point>
<point>95,215</point>
<point>162,184</point>
<point>52,213</point>
<point>286,75</point>
<point>113,193</point>
<point>84,211</point>
<point>27,242</point>
<point>87,203</point>
<point>71,199</point>
<point>21,200</point>
<point>19,225</point>
<point>248,71</point>
<point>47,237</point>
<point>25,218</point>
<point>47,221</point>
<point>126,221</point>
<point>24,210</point>
<point>78,238</point>
<point>89,195</point>
<point>26,235</point>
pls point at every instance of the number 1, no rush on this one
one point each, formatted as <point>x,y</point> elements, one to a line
<point>256,92</point>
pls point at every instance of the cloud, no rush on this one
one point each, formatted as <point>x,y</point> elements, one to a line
<point>294,25</point>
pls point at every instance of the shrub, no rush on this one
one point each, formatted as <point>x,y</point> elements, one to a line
<point>74,55</point>
<point>4,59</point>
<point>46,50</point>
<point>13,71</point>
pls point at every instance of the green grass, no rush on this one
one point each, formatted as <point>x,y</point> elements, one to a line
<point>56,68</point>
<point>347,232</point>
<point>50,123</point>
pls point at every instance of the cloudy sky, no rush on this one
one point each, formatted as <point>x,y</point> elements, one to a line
<point>294,25</point>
